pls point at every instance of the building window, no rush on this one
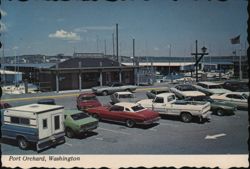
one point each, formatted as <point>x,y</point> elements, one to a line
<point>45,125</point>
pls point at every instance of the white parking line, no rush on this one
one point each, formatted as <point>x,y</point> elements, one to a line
<point>68,144</point>
<point>153,129</point>
<point>114,131</point>
<point>99,138</point>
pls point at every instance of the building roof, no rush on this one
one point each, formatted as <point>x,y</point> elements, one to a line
<point>87,62</point>
<point>33,65</point>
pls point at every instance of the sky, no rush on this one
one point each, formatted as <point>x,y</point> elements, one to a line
<point>159,27</point>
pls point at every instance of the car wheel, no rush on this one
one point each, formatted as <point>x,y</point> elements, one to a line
<point>130,123</point>
<point>69,133</point>
<point>186,117</point>
<point>96,116</point>
<point>129,90</point>
<point>105,93</point>
<point>220,112</point>
<point>22,143</point>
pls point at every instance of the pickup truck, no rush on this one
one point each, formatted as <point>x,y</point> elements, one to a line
<point>166,103</point>
<point>115,87</point>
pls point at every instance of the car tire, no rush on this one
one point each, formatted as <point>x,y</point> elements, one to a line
<point>130,123</point>
<point>186,117</point>
<point>96,116</point>
<point>69,133</point>
<point>220,112</point>
<point>129,90</point>
<point>22,143</point>
<point>105,93</point>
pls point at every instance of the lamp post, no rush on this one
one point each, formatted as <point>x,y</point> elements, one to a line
<point>197,60</point>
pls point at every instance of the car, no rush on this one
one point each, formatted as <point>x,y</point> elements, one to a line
<point>210,88</point>
<point>128,113</point>
<point>112,88</point>
<point>77,122</point>
<point>185,90</point>
<point>4,105</point>
<point>47,101</point>
<point>152,93</point>
<point>219,108</point>
<point>87,100</point>
<point>237,98</point>
<point>122,97</point>
<point>236,86</point>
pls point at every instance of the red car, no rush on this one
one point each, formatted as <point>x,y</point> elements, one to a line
<point>128,113</point>
<point>4,105</point>
<point>87,100</point>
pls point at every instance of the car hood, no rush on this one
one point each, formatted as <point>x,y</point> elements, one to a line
<point>219,91</point>
<point>86,120</point>
<point>222,103</point>
<point>91,103</point>
<point>100,87</point>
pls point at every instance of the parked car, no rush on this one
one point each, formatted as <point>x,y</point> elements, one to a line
<point>210,88</point>
<point>237,98</point>
<point>47,101</point>
<point>115,87</point>
<point>220,108</point>
<point>236,86</point>
<point>128,113</point>
<point>166,103</point>
<point>152,93</point>
<point>87,100</point>
<point>77,122</point>
<point>123,97</point>
<point>185,90</point>
<point>4,105</point>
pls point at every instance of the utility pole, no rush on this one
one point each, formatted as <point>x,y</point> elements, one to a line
<point>105,51</point>
<point>113,44</point>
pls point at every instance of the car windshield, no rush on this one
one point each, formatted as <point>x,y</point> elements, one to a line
<point>187,88</point>
<point>245,96</point>
<point>124,96</point>
<point>215,87</point>
<point>137,108</point>
<point>79,116</point>
<point>86,98</point>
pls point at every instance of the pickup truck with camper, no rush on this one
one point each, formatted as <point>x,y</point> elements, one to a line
<point>39,124</point>
<point>166,103</point>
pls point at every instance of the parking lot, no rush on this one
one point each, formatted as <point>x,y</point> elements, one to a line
<point>220,135</point>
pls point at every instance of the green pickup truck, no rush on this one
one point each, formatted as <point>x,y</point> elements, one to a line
<point>77,122</point>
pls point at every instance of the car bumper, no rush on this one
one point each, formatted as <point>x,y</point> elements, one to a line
<point>207,115</point>
<point>88,128</point>
<point>50,141</point>
<point>150,121</point>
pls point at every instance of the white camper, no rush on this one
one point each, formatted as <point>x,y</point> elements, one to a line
<point>38,123</point>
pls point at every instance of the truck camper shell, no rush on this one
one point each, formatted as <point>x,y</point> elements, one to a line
<point>38,123</point>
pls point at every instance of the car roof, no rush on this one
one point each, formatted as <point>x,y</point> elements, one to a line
<point>165,94</point>
<point>123,92</point>
<point>126,104</point>
<point>208,83</point>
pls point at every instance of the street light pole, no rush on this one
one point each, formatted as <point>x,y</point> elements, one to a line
<point>197,60</point>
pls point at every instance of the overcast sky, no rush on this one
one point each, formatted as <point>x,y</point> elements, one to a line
<point>50,28</point>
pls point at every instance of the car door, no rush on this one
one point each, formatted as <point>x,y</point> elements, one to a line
<point>237,100</point>
<point>159,104</point>
<point>115,113</point>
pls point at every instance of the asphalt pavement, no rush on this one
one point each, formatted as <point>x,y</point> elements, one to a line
<point>220,135</point>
